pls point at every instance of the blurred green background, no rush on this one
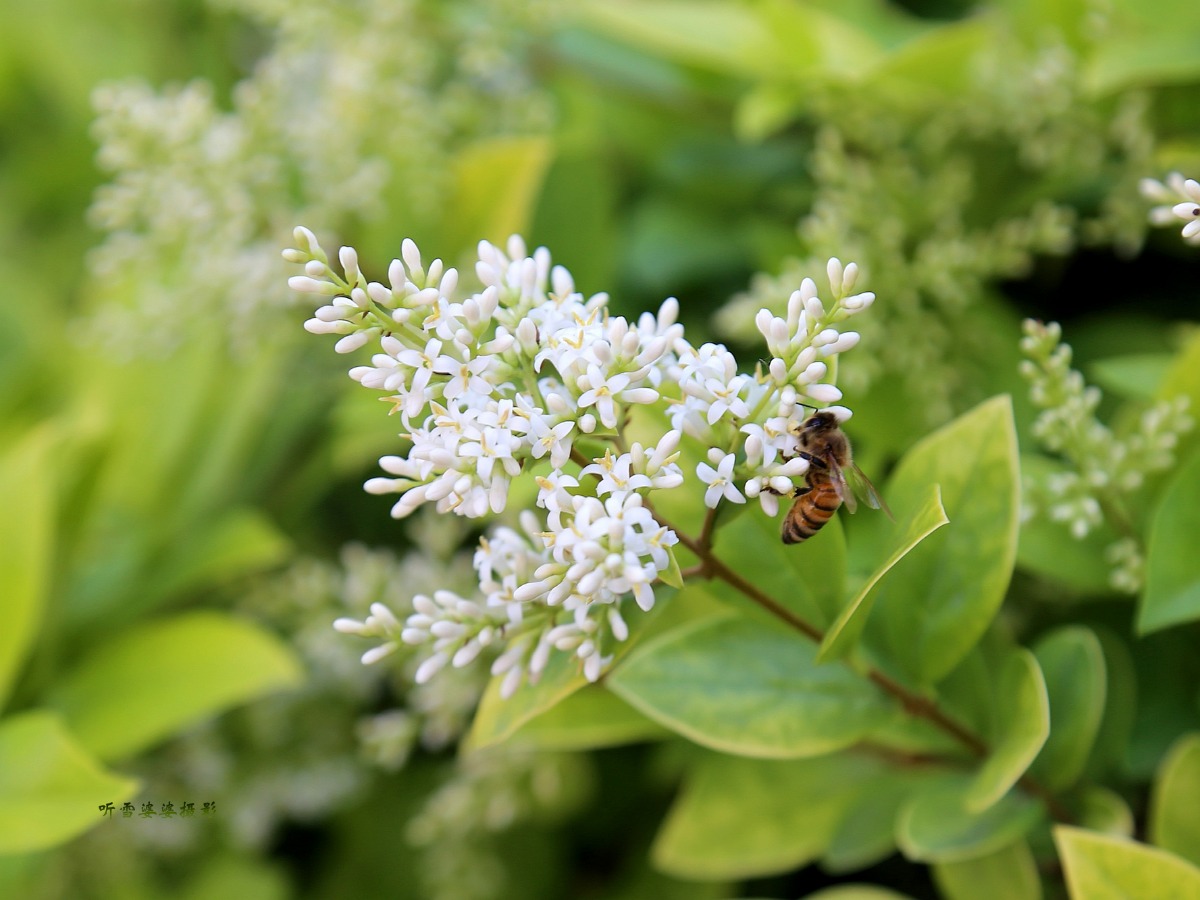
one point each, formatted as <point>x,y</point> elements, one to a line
<point>181,464</point>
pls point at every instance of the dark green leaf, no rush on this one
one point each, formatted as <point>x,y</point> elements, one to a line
<point>1136,375</point>
<point>1172,593</point>
<point>1023,723</point>
<point>936,826</point>
<point>1072,662</point>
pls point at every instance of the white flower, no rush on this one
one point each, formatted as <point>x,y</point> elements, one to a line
<point>546,438</point>
<point>1170,208</point>
<point>527,369</point>
<point>719,480</point>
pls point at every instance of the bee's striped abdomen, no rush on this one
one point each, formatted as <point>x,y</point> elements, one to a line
<point>810,512</point>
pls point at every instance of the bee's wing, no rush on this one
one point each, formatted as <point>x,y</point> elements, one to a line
<point>837,477</point>
<point>862,486</point>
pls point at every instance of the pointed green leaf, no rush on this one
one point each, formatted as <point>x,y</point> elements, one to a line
<point>1100,867</point>
<point>592,717</point>
<point>739,818</point>
<point>1006,874</point>
<point>945,593</point>
<point>672,576</point>
<point>1023,714</point>
<point>1172,593</point>
<point>1174,810</point>
<point>153,680</point>
<point>843,635</point>
<point>51,789</point>
<point>936,826</point>
<point>1072,662</point>
<point>741,687</point>
<point>26,543</point>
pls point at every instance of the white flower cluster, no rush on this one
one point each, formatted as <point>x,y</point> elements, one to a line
<point>1101,465</point>
<point>1178,199</point>
<point>750,422</point>
<point>527,377</point>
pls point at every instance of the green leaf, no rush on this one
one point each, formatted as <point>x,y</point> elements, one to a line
<point>727,37</point>
<point>936,64</point>
<point>1172,593</point>
<point>740,818</point>
<point>1174,811</point>
<point>1023,713</point>
<point>1183,379</point>
<point>26,544</point>
<point>944,594</point>
<point>740,687</point>
<point>1146,45</point>
<point>672,576</point>
<point>936,826</point>
<point>1111,747</point>
<point>856,892</point>
<point>592,717</point>
<point>1100,867</point>
<point>805,578</point>
<point>228,875</point>
<point>496,182</point>
<point>1100,809</point>
<point>843,635</point>
<point>1007,873</point>
<point>497,719</point>
<point>51,789</point>
<point>1049,550</point>
<point>1136,376</point>
<point>153,680</point>
<point>240,542</point>
<point>1072,662</point>
<point>867,833</point>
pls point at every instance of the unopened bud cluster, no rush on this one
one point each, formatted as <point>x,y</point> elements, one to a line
<point>1101,467</point>
<point>527,378</point>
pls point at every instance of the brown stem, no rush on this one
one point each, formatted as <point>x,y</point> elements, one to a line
<point>911,702</point>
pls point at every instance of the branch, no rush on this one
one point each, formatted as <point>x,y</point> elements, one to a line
<point>916,705</point>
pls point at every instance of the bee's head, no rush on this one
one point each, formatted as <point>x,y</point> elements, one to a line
<point>819,423</point>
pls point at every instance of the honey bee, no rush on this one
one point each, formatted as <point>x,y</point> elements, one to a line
<point>827,450</point>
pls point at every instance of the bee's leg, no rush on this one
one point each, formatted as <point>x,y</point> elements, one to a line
<point>813,460</point>
<point>799,492</point>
